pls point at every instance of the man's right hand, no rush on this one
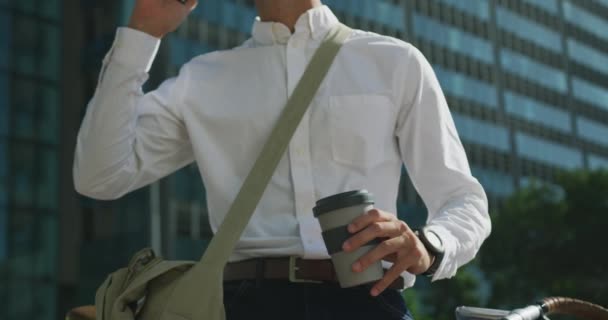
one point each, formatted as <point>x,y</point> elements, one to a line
<point>159,17</point>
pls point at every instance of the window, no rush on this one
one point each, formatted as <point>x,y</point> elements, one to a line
<point>588,56</point>
<point>527,29</point>
<point>535,71</point>
<point>590,93</point>
<point>50,60</point>
<point>453,38</point>
<point>50,8</point>
<point>47,181</point>
<point>495,182</point>
<point>384,12</point>
<point>6,33</point>
<point>24,107</point>
<point>463,86</point>
<point>586,20</point>
<point>548,152</point>
<point>479,8</point>
<point>548,5</point>
<point>4,99</point>
<point>603,2</point>
<point>24,170</point>
<point>3,232</point>
<point>3,173</point>
<point>480,132</point>
<point>48,115</point>
<point>26,48</point>
<point>597,162</point>
<point>536,111</point>
<point>593,131</point>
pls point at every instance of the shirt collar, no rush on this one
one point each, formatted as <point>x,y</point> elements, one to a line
<point>314,23</point>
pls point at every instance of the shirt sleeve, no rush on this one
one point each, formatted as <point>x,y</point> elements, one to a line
<point>129,139</point>
<point>437,165</point>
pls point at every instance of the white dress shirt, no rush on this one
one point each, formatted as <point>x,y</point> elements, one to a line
<point>379,107</point>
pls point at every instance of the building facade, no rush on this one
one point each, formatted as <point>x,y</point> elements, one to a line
<point>526,81</point>
<point>30,60</point>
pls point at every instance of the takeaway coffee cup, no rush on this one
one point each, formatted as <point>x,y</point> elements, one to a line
<point>335,213</point>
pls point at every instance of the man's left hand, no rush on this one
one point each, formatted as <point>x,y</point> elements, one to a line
<point>400,246</point>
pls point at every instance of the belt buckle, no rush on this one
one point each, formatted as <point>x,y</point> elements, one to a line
<point>292,272</point>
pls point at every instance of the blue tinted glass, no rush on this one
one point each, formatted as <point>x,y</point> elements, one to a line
<point>3,233</point>
<point>548,5</point>
<point>533,70</point>
<point>453,38</point>
<point>6,33</point>
<point>494,182</point>
<point>48,115</point>
<point>479,8</point>
<point>230,14</point>
<point>389,14</point>
<point>4,99</point>
<point>47,179</point>
<point>3,174</point>
<point>548,152</point>
<point>591,93</point>
<point>126,6</point>
<point>604,2</point>
<point>586,20</point>
<point>179,50</point>
<point>339,5</point>
<point>463,86</point>
<point>26,53</point>
<point>50,8</point>
<point>357,7</point>
<point>24,172</point>
<point>597,162</point>
<point>536,111</point>
<point>24,106</point>
<point>479,132</point>
<point>593,130</point>
<point>212,10</point>
<point>528,29</point>
<point>247,18</point>
<point>588,56</point>
<point>51,46</point>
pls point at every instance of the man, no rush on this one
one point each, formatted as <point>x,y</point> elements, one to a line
<point>379,107</point>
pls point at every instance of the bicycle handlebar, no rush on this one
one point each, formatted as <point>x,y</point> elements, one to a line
<point>553,305</point>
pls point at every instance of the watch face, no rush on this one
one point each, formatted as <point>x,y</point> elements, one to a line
<point>433,239</point>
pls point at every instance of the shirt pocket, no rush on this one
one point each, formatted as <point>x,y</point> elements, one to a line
<point>361,129</point>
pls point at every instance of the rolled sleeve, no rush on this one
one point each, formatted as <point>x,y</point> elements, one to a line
<point>437,164</point>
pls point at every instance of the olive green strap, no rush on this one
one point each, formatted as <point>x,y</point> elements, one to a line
<point>194,295</point>
<point>242,208</point>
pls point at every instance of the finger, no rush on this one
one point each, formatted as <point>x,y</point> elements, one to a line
<point>389,276</point>
<point>382,250</point>
<point>371,216</point>
<point>383,229</point>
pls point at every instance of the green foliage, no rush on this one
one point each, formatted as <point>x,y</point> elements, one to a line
<point>550,240</point>
<point>437,301</point>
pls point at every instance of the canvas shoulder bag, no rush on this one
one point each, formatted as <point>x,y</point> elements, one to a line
<point>151,288</point>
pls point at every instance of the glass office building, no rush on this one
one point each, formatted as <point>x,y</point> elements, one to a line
<point>30,53</point>
<point>526,81</point>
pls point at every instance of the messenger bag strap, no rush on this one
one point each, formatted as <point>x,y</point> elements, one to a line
<point>237,218</point>
<point>188,298</point>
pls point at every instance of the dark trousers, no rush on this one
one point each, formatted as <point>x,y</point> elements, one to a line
<point>281,300</point>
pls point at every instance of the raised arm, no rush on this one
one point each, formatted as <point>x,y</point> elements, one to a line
<point>128,139</point>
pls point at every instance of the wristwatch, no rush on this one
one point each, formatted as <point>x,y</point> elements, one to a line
<point>433,244</point>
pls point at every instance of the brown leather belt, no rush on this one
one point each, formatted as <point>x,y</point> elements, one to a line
<point>292,269</point>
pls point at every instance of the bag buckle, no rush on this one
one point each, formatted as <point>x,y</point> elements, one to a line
<point>292,272</point>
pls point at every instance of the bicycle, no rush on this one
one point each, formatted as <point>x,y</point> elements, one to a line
<point>540,310</point>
